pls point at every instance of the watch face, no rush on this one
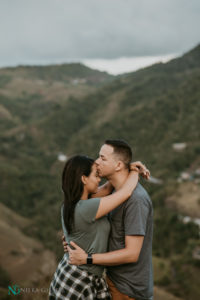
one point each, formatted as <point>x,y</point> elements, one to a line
<point>89,259</point>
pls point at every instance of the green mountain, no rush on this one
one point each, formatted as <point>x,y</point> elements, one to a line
<point>37,91</point>
<point>152,109</point>
<point>72,109</point>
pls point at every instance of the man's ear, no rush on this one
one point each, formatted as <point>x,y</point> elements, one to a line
<point>120,165</point>
<point>83,179</point>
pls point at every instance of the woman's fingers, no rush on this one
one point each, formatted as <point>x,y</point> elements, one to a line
<point>142,169</point>
<point>148,173</point>
<point>135,169</point>
<point>145,173</point>
<point>138,164</point>
<point>65,246</point>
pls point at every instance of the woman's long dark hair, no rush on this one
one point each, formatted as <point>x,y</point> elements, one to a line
<point>72,185</point>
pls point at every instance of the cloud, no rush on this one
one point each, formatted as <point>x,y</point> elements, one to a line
<point>35,31</point>
<point>125,64</point>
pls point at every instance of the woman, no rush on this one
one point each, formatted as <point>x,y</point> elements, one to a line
<point>85,222</point>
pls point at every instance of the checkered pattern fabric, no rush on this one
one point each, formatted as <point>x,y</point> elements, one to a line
<point>70,282</point>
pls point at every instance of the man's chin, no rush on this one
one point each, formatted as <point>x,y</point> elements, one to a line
<point>100,174</point>
<point>99,171</point>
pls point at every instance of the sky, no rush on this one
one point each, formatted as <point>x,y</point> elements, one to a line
<point>104,33</point>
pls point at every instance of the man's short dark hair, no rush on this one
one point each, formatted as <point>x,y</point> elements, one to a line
<point>122,150</point>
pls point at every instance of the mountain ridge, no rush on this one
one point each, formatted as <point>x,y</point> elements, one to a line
<point>152,108</point>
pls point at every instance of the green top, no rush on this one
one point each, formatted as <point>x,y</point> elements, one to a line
<point>88,233</point>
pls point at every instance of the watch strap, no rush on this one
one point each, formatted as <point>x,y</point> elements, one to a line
<point>89,259</point>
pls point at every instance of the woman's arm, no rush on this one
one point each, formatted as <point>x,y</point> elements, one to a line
<point>107,188</point>
<point>108,203</point>
<point>103,190</point>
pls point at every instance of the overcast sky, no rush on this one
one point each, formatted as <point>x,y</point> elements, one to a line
<point>54,31</point>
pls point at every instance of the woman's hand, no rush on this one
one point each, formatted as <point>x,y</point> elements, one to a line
<point>141,168</point>
<point>65,244</point>
<point>77,256</point>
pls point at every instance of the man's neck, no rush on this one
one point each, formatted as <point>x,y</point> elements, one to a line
<point>118,178</point>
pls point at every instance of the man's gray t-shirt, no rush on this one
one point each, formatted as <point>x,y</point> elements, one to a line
<point>133,217</point>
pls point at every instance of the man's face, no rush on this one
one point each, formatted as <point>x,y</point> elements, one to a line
<point>106,163</point>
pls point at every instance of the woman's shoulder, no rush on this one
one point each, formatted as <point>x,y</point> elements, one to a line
<point>87,209</point>
<point>88,202</point>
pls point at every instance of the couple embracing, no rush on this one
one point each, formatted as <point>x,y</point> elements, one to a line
<point>107,229</point>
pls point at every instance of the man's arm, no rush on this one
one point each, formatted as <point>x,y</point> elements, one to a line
<point>129,254</point>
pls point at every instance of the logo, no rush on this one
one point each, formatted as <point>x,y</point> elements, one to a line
<point>15,290</point>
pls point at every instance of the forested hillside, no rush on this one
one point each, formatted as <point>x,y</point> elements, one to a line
<point>47,111</point>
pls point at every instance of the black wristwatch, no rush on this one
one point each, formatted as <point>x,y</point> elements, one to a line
<point>89,259</point>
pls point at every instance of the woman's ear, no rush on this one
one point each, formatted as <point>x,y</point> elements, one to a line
<point>84,179</point>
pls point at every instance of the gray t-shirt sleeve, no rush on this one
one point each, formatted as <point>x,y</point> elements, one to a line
<point>135,216</point>
<point>88,209</point>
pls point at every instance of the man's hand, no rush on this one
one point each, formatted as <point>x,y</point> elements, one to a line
<point>65,244</point>
<point>141,168</point>
<point>77,256</point>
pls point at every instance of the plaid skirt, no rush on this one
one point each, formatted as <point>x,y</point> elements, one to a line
<point>70,282</point>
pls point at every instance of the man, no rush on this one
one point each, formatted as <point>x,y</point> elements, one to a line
<point>129,260</point>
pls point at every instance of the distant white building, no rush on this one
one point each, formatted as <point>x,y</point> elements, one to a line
<point>179,146</point>
<point>62,157</point>
<point>197,172</point>
<point>185,176</point>
<point>187,219</point>
<point>78,81</point>
<point>196,253</point>
<point>192,176</point>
